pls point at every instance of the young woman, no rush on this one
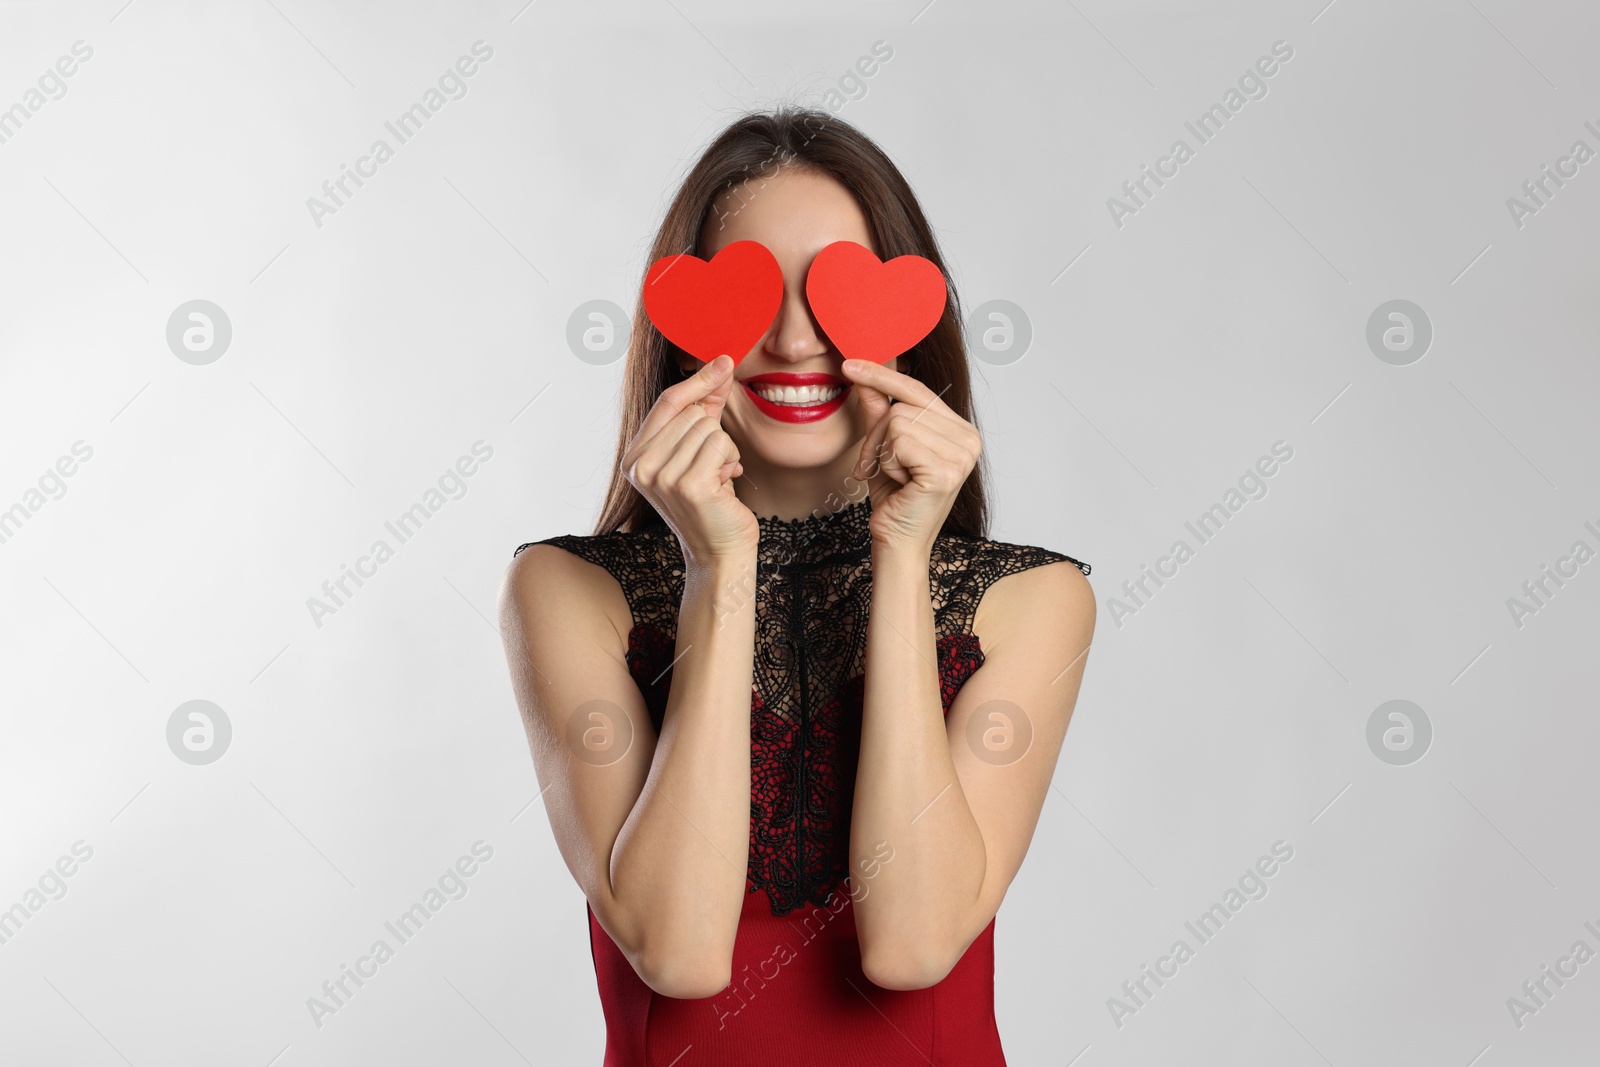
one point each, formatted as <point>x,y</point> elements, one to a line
<point>793,714</point>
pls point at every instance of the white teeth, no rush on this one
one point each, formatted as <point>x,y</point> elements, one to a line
<point>798,395</point>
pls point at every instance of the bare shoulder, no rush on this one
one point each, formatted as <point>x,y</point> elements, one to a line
<point>1053,600</point>
<point>548,589</point>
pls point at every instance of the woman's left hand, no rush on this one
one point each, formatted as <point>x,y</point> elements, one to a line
<point>921,444</point>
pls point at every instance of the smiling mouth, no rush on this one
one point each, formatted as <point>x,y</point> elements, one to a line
<point>794,397</point>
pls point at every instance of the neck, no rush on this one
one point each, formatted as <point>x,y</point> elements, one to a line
<point>795,492</point>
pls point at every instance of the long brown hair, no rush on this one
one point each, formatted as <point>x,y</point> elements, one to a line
<point>752,146</point>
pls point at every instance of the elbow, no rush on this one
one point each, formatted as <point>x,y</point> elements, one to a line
<point>683,973</point>
<point>906,966</point>
<point>672,953</point>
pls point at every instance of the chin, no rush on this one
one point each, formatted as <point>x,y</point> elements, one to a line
<point>797,451</point>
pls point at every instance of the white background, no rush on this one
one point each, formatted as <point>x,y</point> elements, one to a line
<point>369,353</point>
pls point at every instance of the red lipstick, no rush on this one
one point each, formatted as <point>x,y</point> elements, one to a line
<point>796,412</point>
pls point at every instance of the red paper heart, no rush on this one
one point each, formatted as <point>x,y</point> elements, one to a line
<point>711,308</point>
<point>873,310</point>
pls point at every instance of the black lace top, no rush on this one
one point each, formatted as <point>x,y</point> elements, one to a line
<point>812,591</point>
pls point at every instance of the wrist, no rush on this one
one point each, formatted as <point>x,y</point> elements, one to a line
<point>889,556</point>
<point>721,564</point>
<point>724,586</point>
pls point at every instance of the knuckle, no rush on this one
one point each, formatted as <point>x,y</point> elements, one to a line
<point>698,433</point>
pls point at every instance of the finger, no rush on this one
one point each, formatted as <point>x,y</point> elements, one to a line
<point>664,444</point>
<point>924,452</point>
<point>875,403</point>
<point>886,456</point>
<point>938,414</point>
<point>716,401</point>
<point>942,455</point>
<point>715,456</point>
<point>893,466</point>
<point>646,459</point>
<point>960,434</point>
<point>691,390</point>
<point>702,435</point>
<point>875,408</point>
<point>911,457</point>
<point>952,436</point>
<point>882,441</point>
<point>895,384</point>
<point>872,448</point>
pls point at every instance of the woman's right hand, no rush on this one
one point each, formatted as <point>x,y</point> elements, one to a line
<point>683,462</point>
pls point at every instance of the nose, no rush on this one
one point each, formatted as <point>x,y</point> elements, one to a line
<point>795,335</point>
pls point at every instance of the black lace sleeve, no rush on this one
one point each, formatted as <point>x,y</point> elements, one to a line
<point>963,569</point>
<point>648,566</point>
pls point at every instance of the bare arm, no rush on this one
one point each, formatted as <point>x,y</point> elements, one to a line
<point>656,834</point>
<point>657,830</point>
<point>959,817</point>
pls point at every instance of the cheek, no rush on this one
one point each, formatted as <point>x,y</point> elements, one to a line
<point>738,413</point>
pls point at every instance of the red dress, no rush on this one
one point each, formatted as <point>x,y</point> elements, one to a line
<point>798,996</point>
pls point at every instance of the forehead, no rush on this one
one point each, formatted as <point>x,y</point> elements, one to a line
<point>795,213</point>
